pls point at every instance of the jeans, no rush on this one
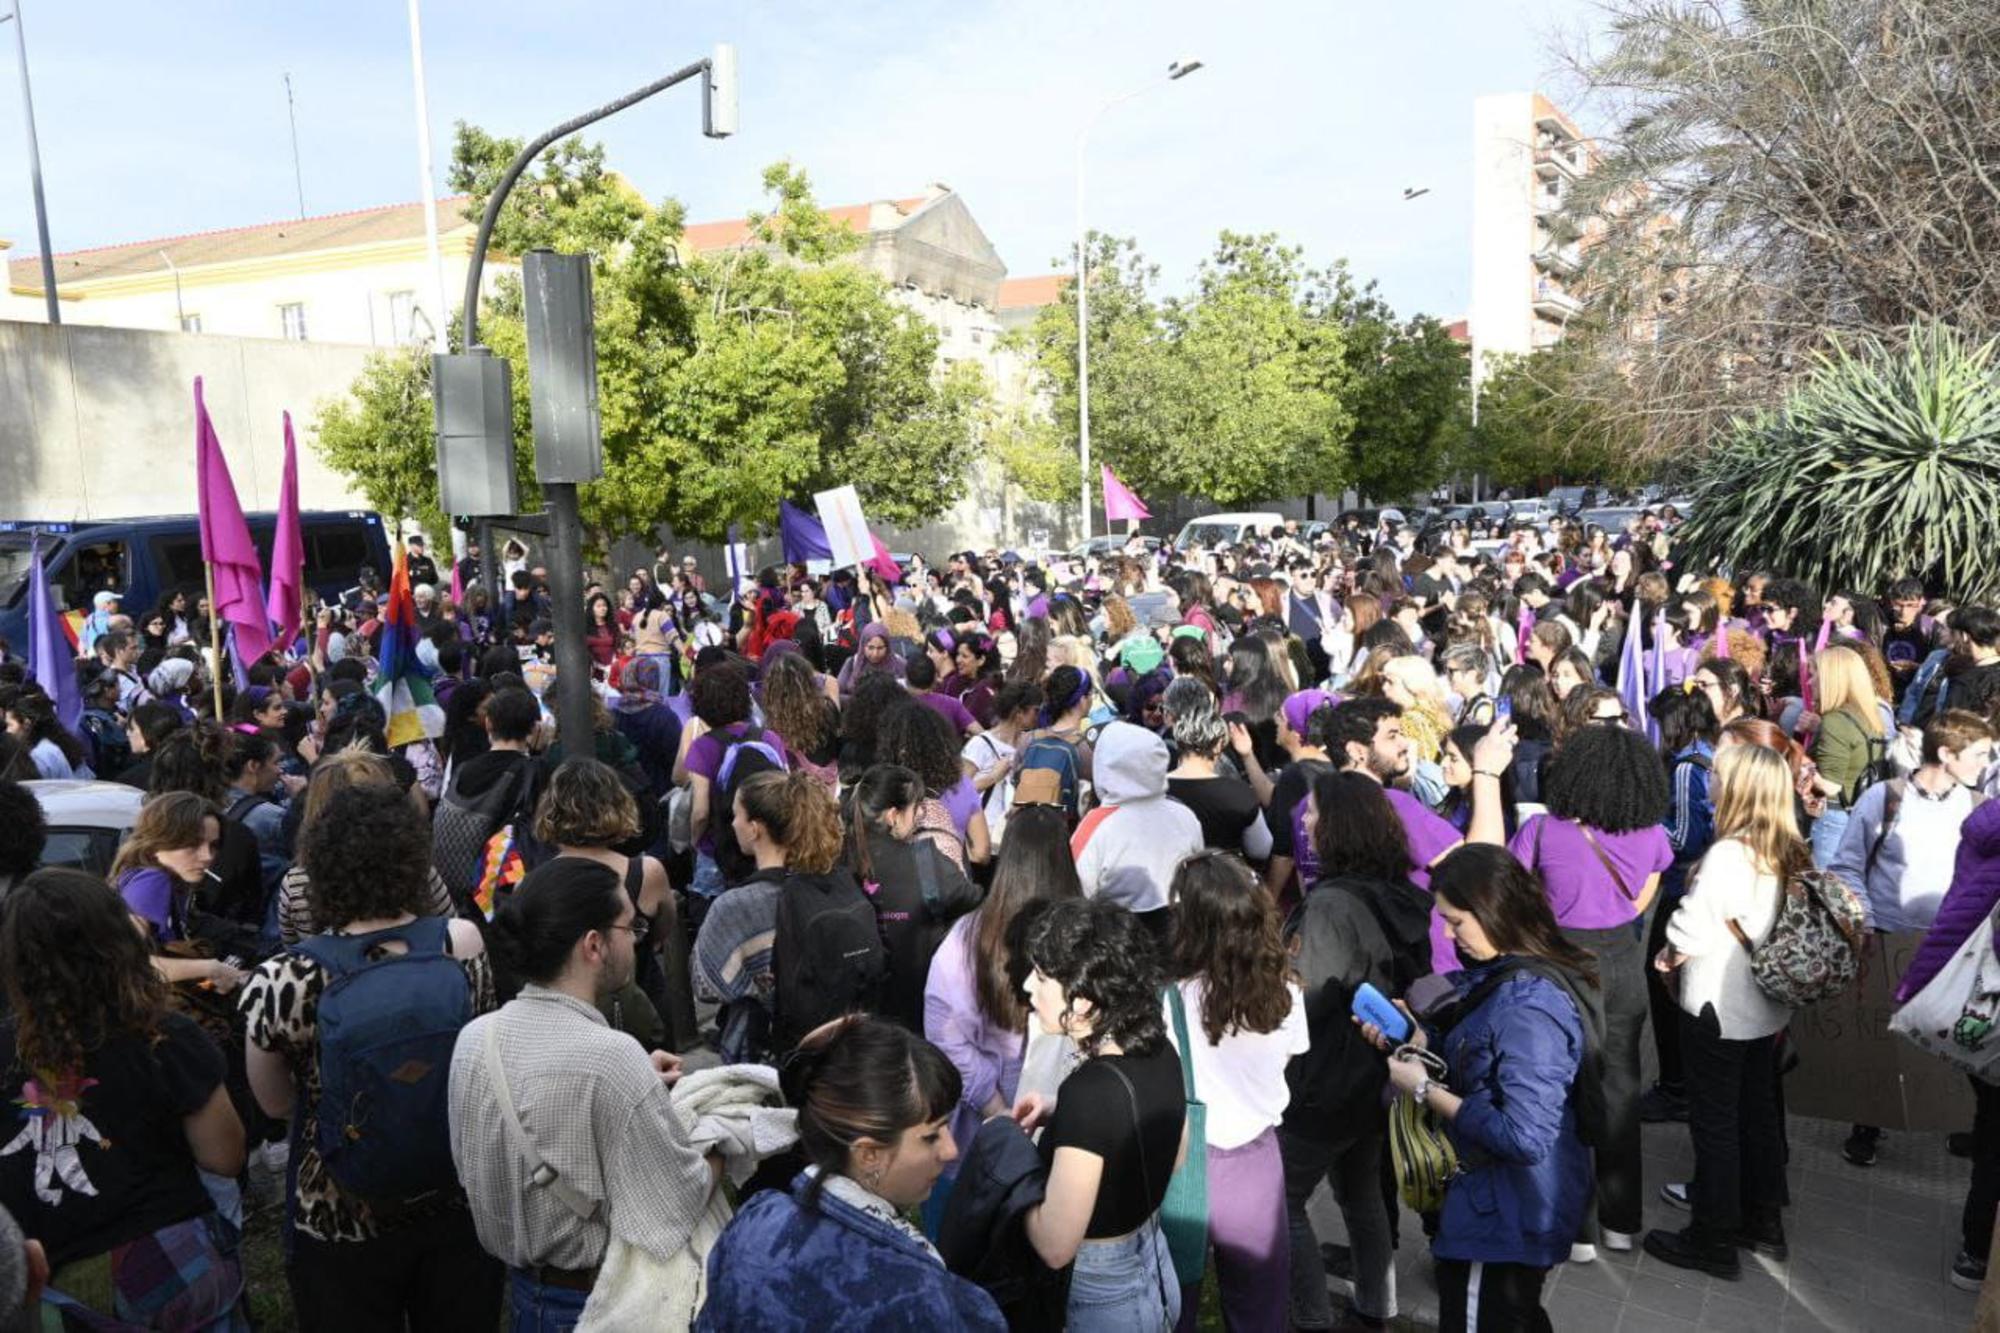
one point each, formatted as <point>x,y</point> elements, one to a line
<point>1621,967</point>
<point>1125,1285</point>
<point>1984,1192</point>
<point>535,1307</point>
<point>1733,1118</point>
<point>1247,1234</point>
<point>1353,1168</point>
<point>1826,834</point>
<point>708,882</point>
<point>1490,1298</point>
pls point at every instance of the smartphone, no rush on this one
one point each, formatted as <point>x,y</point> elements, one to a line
<point>1503,708</point>
<point>1370,1006</point>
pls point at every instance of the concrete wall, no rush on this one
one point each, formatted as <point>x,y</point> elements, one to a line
<point>99,422</point>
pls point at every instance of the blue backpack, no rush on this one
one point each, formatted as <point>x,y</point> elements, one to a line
<point>1055,753</point>
<point>386,1028</point>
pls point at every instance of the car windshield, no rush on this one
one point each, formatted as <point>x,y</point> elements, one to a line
<point>1208,534</point>
<point>14,559</point>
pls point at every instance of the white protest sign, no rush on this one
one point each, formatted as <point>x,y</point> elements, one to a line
<point>846,529</point>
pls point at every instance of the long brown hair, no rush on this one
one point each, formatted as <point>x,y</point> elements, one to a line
<point>1034,866</point>
<point>76,973</point>
<point>799,813</point>
<point>1506,899</point>
<point>1226,931</point>
<point>168,822</point>
<point>794,704</point>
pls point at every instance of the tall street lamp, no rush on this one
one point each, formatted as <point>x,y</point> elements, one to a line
<point>35,169</point>
<point>1180,69</point>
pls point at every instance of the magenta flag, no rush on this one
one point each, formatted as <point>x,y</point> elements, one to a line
<point>883,563</point>
<point>1119,502</point>
<point>286,604</point>
<point>1524,629</point>
<point>225,543</point>
<point>1722,640</point>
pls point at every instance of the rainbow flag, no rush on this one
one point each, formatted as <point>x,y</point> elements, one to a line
<point>501,868</point>
<point>402,685</point>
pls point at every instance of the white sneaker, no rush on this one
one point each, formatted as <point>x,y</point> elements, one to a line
<point>1619,1242</point>
<point>1584,1254</point>
<point>1676,1193</point>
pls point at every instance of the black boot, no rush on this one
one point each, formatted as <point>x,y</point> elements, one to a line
<point>1765,1236</point>
<point>1691,1248</point>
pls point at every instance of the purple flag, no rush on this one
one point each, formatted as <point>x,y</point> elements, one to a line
<point>1119,501</point>
<point>49,655</point>
<point>1632,672</point>
<point>1524,629</point>
<point>802,535</point>
<point>285,607</point>
<point>1657,680</point>
<point>225,543</point>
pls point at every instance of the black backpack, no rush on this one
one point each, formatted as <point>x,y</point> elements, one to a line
<point>743,757</point>
<point>827,957</point>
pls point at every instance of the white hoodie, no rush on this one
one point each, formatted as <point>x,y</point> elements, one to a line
<point>1129,855</point>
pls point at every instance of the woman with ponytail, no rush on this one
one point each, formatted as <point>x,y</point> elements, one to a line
<point>917,889</point>
<point>875,1104</point>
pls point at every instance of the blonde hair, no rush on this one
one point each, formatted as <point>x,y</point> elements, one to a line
<point>1415,674</point>
<point>899,623</point>
<point>1754,805</point>
<point>1843,682</point>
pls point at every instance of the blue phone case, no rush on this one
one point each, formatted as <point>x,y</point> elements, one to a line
<point>1371,1007</point>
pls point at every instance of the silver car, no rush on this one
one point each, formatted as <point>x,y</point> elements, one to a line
<point>87,820</point>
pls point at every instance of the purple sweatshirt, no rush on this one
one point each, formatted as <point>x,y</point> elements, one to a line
<point>1974,891</point>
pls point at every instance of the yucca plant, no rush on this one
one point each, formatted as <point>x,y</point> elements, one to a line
<point>1885,461</point>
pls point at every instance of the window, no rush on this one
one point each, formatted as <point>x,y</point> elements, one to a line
<point>402,316</point>
<point>292,318</point>
<point>190,323</point>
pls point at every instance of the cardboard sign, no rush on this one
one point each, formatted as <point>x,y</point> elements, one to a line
<point>1852,1069</point>
<point>846,529</point>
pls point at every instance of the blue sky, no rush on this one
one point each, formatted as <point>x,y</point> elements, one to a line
<point>1309,119</point>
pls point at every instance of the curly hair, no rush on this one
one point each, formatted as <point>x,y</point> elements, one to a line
<point>721,695</point>
<point>799,813</point>
<point>23,830</point>
<point>1607,777</point>
<point>1098,951</point>
<point>1226,932</point>
<point>76,973</point>
<point>368,855</point>
<point>585,805</point>
<point>874,694</point>
<point>918,738</point>
<point>794,704</point>
<point>192,761</point>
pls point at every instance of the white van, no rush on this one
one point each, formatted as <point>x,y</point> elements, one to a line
<point>1213,530</point>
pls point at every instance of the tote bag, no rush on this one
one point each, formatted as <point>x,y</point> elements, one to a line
<point>1952,1017</point>
<point>1184,1212</point>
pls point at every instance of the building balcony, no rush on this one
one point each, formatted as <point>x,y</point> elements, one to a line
<point>1557,161</point>
<point>1552,302</point>
<point>1562,260</point>
<point>1548,200</point>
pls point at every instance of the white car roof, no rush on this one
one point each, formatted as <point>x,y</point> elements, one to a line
<point>81,803</point>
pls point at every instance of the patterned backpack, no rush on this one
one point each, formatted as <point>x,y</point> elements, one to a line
<point>1813,952</point>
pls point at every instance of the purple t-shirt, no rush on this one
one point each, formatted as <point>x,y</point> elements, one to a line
<point>1581,892</point>
<point>704,756</point>
<point>150,894</point>
<point>1430,836</point>
<point>950,709</point>
<point>963,802</point>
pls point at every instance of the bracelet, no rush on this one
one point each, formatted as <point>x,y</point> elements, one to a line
<point>1482,773</point>
<point>1421,1093</point>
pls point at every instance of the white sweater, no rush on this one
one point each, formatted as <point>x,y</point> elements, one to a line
<point>1726,885</point>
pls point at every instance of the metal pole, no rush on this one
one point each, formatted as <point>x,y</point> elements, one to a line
<point>180,310</point>
<point>1082,337</point>
<point>573,713</point>
<point>35,171</point>
<point>298,169</point>
<point>441,322</point>
<point>489,577</point>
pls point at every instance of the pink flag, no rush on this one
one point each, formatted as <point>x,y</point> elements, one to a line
<point>286,604</point>
<point>1119,502</point>
<point>1805,675</point>
<point>1524,629</point>
<point>225,543</point>
<point>1825,631</point>
<point>1721,641</point>
<point>883,563</point>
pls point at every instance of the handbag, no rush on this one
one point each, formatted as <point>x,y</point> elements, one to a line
<point>1184,1212</point>
<point>1953,1016</point>
<point>1420,1150</point>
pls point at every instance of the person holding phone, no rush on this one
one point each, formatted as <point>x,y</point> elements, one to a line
<point>1517,1034</point>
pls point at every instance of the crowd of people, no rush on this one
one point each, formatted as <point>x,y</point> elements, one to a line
<point>1027,915</point>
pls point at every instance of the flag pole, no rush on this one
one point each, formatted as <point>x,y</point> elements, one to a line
<point>214,637</point>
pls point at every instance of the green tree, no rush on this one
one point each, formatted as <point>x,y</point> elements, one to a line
<point>727,381</point>
<point>1408,387</point>
<point>1535,425</point>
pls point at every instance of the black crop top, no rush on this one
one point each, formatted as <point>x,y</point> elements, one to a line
<point>1094,1113</point>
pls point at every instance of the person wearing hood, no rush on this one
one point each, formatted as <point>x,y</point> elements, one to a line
<point>170,682</point>
<point>103,606</point>
<point>1129,847</point>
<point>874,654</point>
<point>1362,921</point>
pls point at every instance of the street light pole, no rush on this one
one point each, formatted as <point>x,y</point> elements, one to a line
<point>35,170</point>
<point>1180,69</point>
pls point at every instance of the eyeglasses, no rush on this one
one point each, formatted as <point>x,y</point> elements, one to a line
<point>638,925</point>
<point>1621,717</point>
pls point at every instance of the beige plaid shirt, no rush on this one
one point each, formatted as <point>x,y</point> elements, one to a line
<point>597,1113</point>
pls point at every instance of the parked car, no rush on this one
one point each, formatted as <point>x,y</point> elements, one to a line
<point>87,820</point>
<point>1213,530</point>
<point>1110,543</point>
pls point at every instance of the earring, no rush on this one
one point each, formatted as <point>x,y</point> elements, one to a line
<point>872,1178</point>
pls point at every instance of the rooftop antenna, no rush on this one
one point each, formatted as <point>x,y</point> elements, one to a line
<point>298,173</point>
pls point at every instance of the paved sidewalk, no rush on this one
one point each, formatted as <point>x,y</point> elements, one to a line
<point>1871,1250</point>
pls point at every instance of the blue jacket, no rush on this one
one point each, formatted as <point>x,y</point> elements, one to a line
<point>1526,1174</point>
<point>785,1264</point>
<point>1691,813</point>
